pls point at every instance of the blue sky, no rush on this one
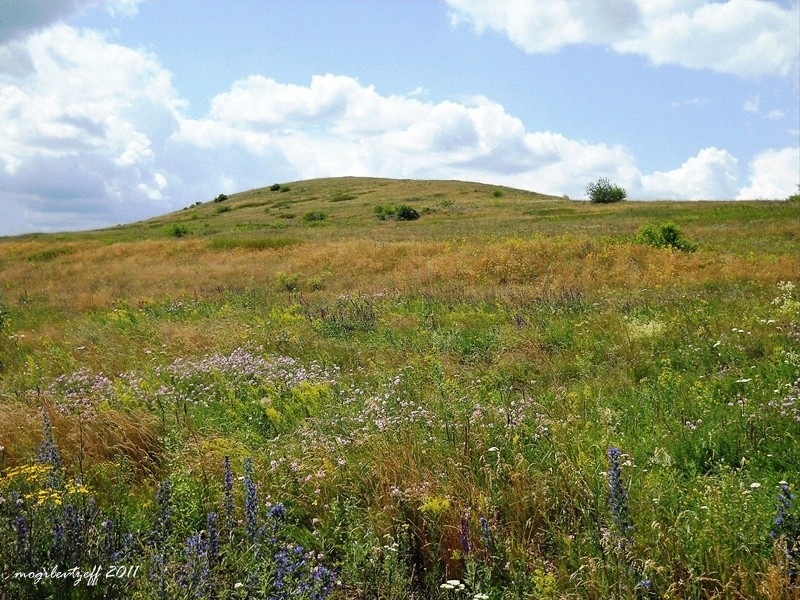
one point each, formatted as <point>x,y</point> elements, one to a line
<point>119,110</point>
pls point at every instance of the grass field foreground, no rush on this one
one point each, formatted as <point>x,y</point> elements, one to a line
<point>505,398</point>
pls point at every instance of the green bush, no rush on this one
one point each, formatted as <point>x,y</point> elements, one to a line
<point>221,198</point>
<point>795,197</point>
<point>384,211</point>
<point>177,230</point>
<point>666,235</point>
<point>223,209</point>
<point>402,213</point>
<point>406,213</point>
<point>275,187</point>
<point>314,215</point>
<point>602,191</point>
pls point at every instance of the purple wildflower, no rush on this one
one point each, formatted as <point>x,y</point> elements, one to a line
<point>465,545</point>
<point>618,498</point>
<point>250,500</point>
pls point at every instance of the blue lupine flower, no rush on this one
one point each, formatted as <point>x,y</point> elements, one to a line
<point>465,545</point>
<point>618,498</point>
<point>250,500</point>
<point>786,529</point>
<point>163,524</point>
<point>213,538</point>
<point>48,453</point>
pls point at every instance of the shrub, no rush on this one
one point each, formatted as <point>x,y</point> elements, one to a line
<point>177,230</point>
<point>223,209</point>
<point>666,235</point>
<point>221,198</point>
<point>497,193</point>
<point>795,197</point>
<point>275,187</point>
<point>406,213</point>
<point>402,213</point>
<point>602,191</point>
<point>314,215</point>
<point>384,211</point>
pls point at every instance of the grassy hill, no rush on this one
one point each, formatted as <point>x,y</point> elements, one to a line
<point>509,391</point>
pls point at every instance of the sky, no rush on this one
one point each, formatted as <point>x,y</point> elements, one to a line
<point>118,110</point>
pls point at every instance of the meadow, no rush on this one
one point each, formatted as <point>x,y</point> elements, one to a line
<point>291,393</point>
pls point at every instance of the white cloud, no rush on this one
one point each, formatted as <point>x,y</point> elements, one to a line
<point>80,128</point>
<point>774,174</point>
<point>748,38</point>
<point>337,126</point>
<point>547,25</point>
<point>712,173</point>
<point>20,18</point>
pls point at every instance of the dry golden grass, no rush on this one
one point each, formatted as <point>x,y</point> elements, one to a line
<point>99,277</point>
<point>130,438</point>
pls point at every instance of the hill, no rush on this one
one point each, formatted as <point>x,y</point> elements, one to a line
<point>510,390</point>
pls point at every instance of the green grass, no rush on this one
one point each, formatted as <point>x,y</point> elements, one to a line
<point>404,386</point>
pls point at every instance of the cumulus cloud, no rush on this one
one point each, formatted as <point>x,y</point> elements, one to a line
<point>81,127</point>
<point>774,174</point>
<point>712,173</point>
<point>337,126</point>
<point>748,38</point>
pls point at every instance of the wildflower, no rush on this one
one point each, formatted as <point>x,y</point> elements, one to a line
<point>755,485</point>
<point>212,532</point>
<point>618,498</point>
<point>23,536</point>
<point>786,530</point>
<point>48,454</point>
<point>250,500</point>
<point>486,534</point>
<point>465,545</point>
<point>163,524</point>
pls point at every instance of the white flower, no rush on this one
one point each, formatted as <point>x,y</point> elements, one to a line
<point>447,586</point>
<point>755,485</point>
<point>454,582</point>
<point>237,585</point>
<point>493,449</point>
<point>480,597</point>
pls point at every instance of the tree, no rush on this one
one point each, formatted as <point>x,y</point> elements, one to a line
<point>602,191</point>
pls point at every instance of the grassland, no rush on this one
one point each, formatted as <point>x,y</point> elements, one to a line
<point>427,401</point>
